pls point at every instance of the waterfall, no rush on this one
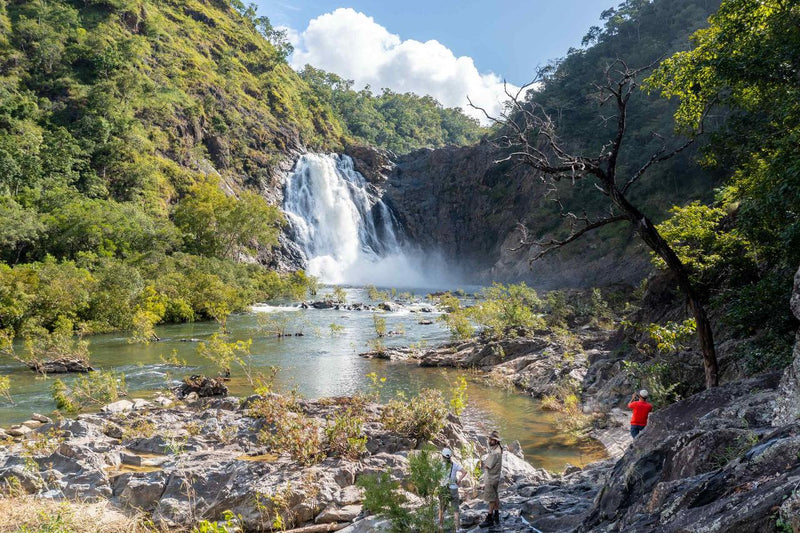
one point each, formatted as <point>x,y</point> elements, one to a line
<point>347,234</point>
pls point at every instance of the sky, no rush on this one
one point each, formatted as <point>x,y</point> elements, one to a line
<point>449,49</point>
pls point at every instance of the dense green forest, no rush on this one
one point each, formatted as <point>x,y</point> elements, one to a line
<point>744,245</point>
<point>736,190</point>
<point>121,123</point>
<point>398,122</point>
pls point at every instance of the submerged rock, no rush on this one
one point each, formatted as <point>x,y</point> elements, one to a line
<point>61,366</point>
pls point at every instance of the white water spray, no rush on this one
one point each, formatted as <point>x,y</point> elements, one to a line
<point>348,234</point>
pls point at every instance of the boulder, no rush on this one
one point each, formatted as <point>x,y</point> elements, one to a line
<point>32,424</point>
<point>202,387</point>
<point>41,418</point>
<point>702,466</point>
<point>19,431</point>
<point>139,491</point>
<point>334,513</point>
<point>121,406</point>
<point>62,366</point>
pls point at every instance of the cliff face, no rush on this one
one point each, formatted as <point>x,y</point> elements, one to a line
<point>460,202</point>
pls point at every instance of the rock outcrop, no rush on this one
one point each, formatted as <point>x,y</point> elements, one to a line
<point>460,202</point>
<point>787,408</point>
<point>194,461</point>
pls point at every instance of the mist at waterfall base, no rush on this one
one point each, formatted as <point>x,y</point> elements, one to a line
<point>347,233</point>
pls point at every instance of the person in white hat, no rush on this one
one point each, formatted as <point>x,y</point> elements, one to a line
<point>450,488</point>
<point>641,409</point>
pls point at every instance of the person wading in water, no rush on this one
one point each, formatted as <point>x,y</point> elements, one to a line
<point>493,464</point>
<point>449,493</point>
<point>641,408</point>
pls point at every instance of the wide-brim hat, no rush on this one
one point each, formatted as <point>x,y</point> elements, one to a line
<point>494,435</point>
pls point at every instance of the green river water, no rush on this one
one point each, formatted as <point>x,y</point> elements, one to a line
<point>318,364</point>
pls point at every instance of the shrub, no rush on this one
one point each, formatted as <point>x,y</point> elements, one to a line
<point>379,323</point>
<point>224,354</point>
<point>458,395</point>
<point>422,417</point>
<point>288,429</point>
<point>382,497</point>
<point>93,389</point>
<point>456,318</point>
<point>558,309</point>
<point>346,435</point>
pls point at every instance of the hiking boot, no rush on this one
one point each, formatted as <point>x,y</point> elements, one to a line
<point>489,522</point>
<point>497,518</point>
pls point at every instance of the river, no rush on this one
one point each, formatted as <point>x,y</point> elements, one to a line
<point>318,364</point>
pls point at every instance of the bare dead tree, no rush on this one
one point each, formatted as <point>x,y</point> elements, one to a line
<point>530,138</point>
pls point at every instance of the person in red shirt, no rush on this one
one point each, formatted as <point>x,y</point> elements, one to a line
<point>641,408</point>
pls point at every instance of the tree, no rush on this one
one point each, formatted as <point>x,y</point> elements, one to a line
<point>530,137</point>
<point>218,225</point>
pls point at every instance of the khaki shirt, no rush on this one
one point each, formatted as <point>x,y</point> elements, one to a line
<point>493,465</point>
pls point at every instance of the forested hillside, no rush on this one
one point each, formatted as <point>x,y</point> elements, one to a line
<point>729,204</point>
<point>477,203</point>
<point>395,121</point>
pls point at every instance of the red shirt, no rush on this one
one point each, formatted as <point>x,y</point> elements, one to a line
<point>640,411</point>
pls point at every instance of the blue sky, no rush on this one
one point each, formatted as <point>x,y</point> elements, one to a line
<point>506,38</point>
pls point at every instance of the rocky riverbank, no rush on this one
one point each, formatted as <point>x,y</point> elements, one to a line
<point>723,460</point>
<point>178,462</point>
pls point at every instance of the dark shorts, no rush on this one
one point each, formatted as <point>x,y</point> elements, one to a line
<point>448,495</point>
<point>635,430</point>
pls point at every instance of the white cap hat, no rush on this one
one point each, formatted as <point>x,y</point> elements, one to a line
<point>643,393</point>
<point>447,453</point>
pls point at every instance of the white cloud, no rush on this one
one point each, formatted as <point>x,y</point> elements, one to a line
<point>354,46</point>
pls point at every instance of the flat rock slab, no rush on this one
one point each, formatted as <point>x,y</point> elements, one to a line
<point>121,406</point>
<point>335,514</point>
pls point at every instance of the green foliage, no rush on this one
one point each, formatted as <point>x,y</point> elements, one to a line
<point>657,377</point>
<point>398,122</point>
<point>224,354</point>
<point>218,225</point>
<point>422,417</point>
<point>335,329</point>
<point>660,374</point>
<point>346,436</point>
<point>288,429</point>
<point>742,63</point>
<point>508,310</point>
<point>458,395</point>
<point>671,337</point>
<point>104,294</point>
<point>558,309</point>
<point>695,234</point>
<point>456,318</point>
<point>5,389</point>
<point>228,524</point>
<point>379,324</point>
<point>339,295</point>
<point>85,391</point>
<point>382,497</point>
<point>376,295</point>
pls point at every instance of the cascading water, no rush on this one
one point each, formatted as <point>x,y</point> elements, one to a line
<point>347,234</point>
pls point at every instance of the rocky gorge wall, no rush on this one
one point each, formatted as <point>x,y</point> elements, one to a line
<point>459,202</point>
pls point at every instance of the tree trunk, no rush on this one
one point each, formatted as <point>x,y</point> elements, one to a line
<point>706,337</point>
<point>650,235</point>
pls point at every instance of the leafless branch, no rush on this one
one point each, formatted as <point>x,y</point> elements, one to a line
<point>579,226</point>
